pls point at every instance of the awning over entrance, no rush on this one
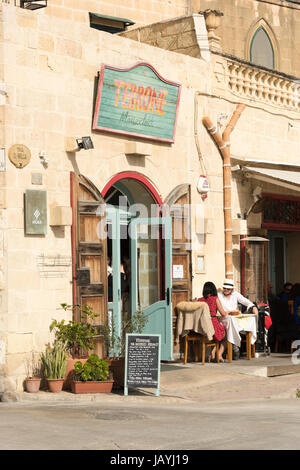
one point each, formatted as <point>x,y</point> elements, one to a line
<point>285,178</point>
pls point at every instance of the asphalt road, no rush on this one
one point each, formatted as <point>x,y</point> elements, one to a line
<point>134,425</point>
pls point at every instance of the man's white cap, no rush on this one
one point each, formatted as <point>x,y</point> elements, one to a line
<point>228,284</point>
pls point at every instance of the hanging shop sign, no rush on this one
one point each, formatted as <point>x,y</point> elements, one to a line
<point>19,155</point>
<point>35,212</point>
<point>138,102</point>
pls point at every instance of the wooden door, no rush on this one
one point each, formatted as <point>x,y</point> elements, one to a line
<point>178,205</point>
<point>89,251</point>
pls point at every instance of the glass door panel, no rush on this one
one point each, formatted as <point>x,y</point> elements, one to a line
<point>151,251</point>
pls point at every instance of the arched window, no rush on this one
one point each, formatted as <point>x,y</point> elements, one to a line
<point>261,49</point>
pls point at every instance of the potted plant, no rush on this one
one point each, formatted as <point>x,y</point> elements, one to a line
<point>78,336</point>
<point>54,361</point>
<point>116,344</point>
<point>92,376</point>
<point>33,374</point>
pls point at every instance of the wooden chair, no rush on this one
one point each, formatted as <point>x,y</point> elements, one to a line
<point>202,341</point>
<point>287,343</point>
<point>291,306</point>
<point>250,348</point>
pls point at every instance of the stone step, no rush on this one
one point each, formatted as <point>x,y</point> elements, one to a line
<point>263,365</point>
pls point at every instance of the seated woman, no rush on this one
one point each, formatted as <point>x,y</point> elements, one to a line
<point>210,296</point>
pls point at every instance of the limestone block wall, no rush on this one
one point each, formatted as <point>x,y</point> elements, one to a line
<point>50,65</point>
<point>240,17</point>
<point>141,12</point>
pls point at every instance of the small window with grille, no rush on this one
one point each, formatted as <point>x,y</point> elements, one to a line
<point>282,213</point>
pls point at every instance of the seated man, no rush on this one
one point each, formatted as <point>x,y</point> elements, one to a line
<point>285,295</point>
<point>230,299</point>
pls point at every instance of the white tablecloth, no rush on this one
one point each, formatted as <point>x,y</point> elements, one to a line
<point>236,324</point>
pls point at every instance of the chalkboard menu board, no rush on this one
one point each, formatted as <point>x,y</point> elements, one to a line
<point>142,366</point>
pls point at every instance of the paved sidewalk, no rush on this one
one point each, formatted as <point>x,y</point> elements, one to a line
<point>195,382</point>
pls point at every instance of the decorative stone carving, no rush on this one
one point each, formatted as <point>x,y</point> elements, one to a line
<point>212,21</point>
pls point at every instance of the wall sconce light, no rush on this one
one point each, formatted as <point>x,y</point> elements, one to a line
<point>33,4</point>
<point>85,143</point>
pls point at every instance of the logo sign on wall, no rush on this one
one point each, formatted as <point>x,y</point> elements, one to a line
<point>137,102</point>
<point>35,212</point>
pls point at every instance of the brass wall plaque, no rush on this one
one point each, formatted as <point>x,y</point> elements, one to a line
<point>19,155</point>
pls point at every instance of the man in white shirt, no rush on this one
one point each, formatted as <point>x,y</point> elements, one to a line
<point>229,300</point>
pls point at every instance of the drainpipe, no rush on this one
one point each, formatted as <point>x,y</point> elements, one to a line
<point>243,253</point>
<point>223,144</point>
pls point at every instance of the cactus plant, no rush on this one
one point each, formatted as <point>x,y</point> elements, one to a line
<point>54,360</point>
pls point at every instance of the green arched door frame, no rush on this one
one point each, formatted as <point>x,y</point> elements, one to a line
<point>124,190</point>
<point>270,41</point>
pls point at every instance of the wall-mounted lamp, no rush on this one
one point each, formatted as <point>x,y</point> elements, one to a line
<point>85,143</point>
<point>75,145</point>
<point>33,4</point>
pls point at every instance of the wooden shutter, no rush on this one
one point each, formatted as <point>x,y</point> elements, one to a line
<point>89,251</point>
<point>179,205</point>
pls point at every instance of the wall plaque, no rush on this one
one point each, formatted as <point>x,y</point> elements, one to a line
<point>35,212</point>
<point>177,271</point>
<point>138,102</point>
<point>19,155</point>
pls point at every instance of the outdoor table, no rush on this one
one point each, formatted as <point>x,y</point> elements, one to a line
<point>234,325</point>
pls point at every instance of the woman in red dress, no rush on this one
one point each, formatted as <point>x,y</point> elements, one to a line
<point>210,296</point>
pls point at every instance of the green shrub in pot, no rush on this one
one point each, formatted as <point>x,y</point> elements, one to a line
<point>95,369</point>
<point>78,336</point>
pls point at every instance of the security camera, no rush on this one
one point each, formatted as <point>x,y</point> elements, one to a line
<point>257,193</point>
<point>43,158</point>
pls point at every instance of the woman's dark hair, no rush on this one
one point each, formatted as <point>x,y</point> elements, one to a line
<point>209,289</point>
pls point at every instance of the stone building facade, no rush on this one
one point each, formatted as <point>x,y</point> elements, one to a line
<point>50,61</point>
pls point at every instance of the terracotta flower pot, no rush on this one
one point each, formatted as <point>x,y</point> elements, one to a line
<point>117,368</point>
<point>69,371</point>
<point>103,386</point>
<point>32,384</point>
<point>55,385</point>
